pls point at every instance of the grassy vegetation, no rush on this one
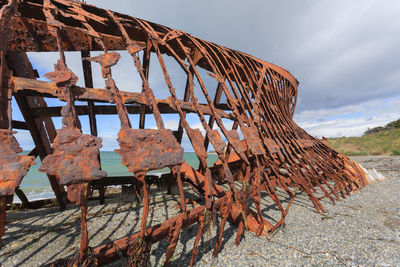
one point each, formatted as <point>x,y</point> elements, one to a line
<point>385,142</point>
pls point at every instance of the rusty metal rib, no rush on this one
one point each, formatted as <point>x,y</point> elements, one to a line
<point>263,151</point>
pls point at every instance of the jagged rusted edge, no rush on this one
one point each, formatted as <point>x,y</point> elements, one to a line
<point>274,153</point>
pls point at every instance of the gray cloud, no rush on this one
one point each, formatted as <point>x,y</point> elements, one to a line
<point>345,54</point>
<point>342,52</point>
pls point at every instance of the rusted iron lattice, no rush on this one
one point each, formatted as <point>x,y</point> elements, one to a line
<point>264,150</point>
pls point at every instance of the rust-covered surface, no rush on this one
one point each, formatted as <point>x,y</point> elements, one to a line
<point>247,119</point>
<point>75,156</point>
<point>75,159</point>
<point>13,167</point>
<point>147,149</point>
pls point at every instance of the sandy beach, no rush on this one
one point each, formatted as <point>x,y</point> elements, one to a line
<point>361,230</point>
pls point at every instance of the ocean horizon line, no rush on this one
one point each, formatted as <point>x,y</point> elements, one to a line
<point>36,186</point>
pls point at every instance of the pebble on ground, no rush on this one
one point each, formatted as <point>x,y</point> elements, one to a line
<point>361,230</point>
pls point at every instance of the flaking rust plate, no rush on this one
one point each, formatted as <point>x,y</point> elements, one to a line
<point>148,149</point>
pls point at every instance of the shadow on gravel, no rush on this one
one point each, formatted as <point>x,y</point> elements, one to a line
<point>31,232</point>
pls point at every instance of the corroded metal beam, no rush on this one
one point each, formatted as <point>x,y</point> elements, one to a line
<point>48,89</point>
<point>253,132</point>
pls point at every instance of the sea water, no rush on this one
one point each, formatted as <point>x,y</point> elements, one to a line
<point>36,184</point>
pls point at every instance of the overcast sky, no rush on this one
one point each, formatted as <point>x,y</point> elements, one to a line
<point>345,54</point>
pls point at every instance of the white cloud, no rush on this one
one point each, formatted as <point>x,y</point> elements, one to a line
<point>352,120</point>
<point>24,139</point>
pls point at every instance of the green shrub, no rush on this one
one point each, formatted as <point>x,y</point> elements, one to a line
<point>396,153</point>
<point>379,129</point>
<point>374,130</point>
<point>393,124</point>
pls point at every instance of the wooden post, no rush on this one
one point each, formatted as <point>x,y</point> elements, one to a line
<point>87,74</point>
<point>21,195</point>
<point>3,207</point>
<point>186,98</point>
<point>146,68</point>
<point>5,102</point>
<point>20,66</point>
<point>217,98</point>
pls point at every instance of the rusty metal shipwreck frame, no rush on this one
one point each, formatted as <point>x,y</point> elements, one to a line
<point>264,149</point>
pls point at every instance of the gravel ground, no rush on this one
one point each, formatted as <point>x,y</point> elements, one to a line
<point>361,230</point>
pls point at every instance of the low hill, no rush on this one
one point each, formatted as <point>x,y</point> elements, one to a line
<point>377,141</point>
<point>389,126</point>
